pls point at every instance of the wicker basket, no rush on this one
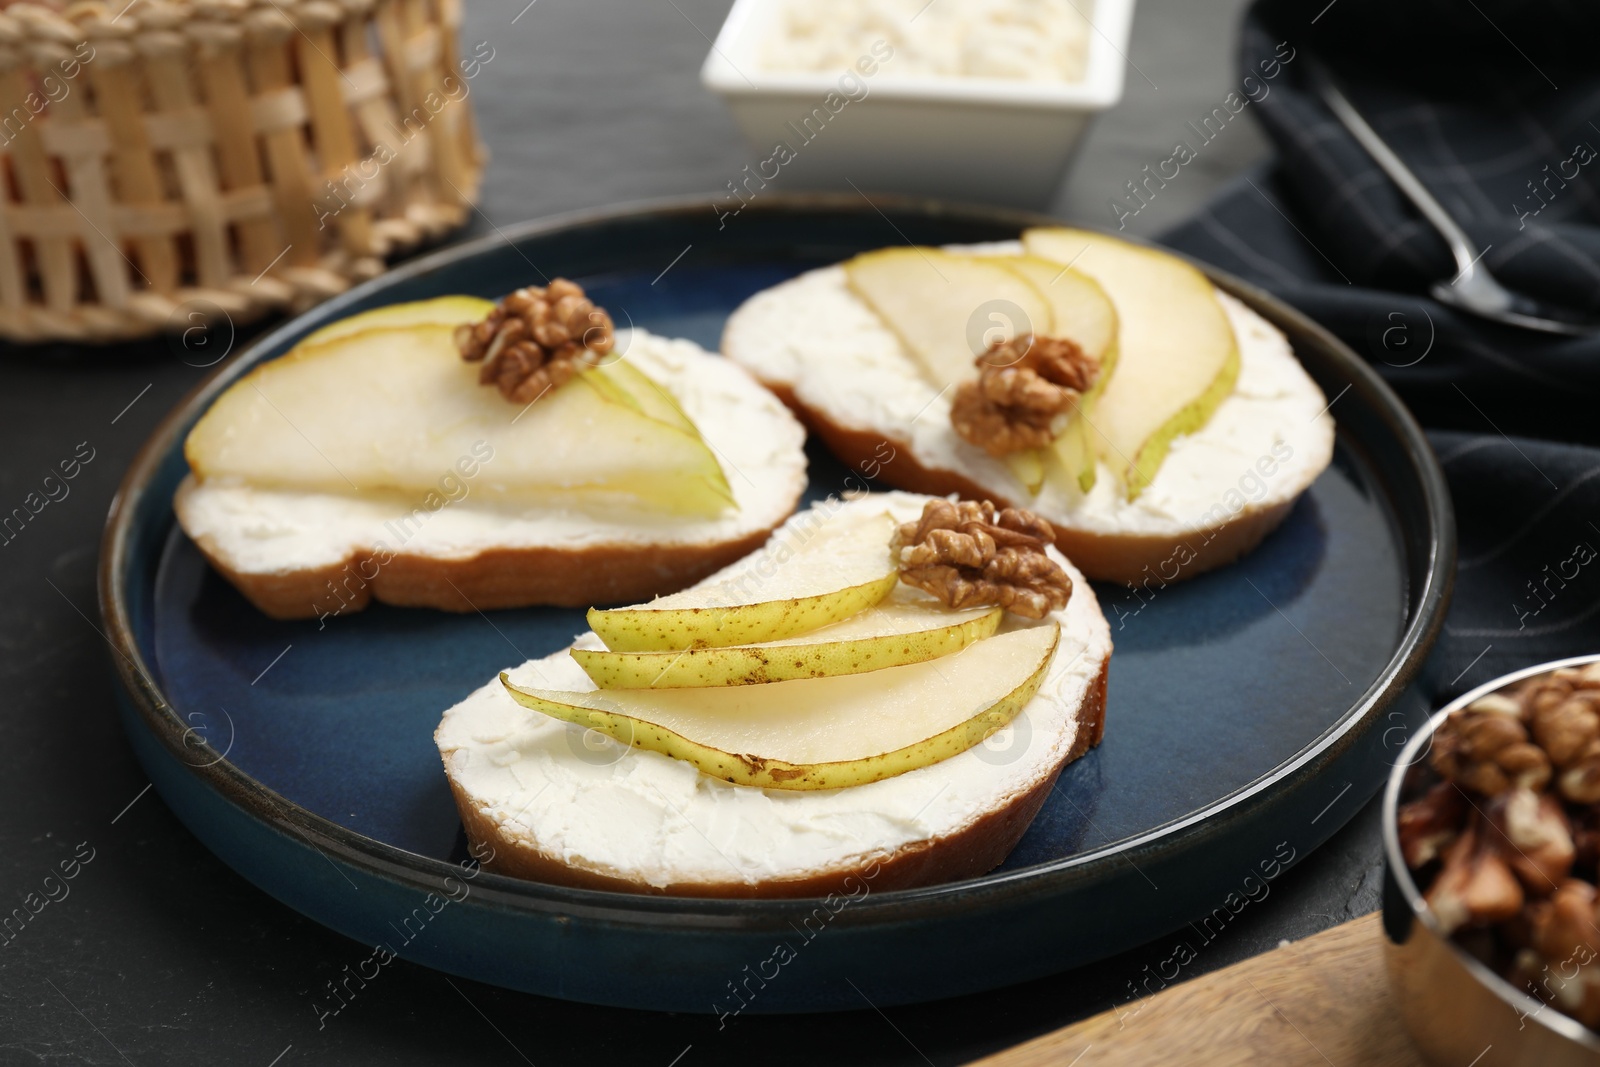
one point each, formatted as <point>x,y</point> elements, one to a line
<point>169,159</point>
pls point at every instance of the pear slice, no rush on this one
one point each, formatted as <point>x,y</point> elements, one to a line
<point>787,589</point>
<point>823,733</point>
<point>900,631</point>
<point>935,302</point>
<point>1082,313</point>
<point>440,311</point>
<point>1028,467</point>
<point>398,411</point>
<point>1072,456</point>
<point>646,394</point>
<point>1177,357</point>
<point>947,308</point>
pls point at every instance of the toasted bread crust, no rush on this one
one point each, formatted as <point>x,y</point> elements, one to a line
<point>979,847</point>
<point>499,578</point>
<point>1127,558</point>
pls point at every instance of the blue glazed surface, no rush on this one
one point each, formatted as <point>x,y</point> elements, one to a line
<point>341,721</point>
<point>1251,710</point>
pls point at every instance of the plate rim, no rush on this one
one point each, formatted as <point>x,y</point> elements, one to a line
<point>427,874</point>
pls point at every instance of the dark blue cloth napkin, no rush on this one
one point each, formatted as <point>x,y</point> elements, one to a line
<point>1495,105</point>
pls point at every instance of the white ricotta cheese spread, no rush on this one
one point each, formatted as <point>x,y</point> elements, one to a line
<point>1019,40</point>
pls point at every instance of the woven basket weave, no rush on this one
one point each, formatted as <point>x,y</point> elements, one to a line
<point>169,159</point>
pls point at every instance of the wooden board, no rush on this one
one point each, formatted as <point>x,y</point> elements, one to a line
<point>1323,1000</point>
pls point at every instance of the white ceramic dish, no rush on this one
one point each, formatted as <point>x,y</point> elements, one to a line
<point>978,139</point>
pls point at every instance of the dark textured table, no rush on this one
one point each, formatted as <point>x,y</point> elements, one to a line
<point>159,954</point>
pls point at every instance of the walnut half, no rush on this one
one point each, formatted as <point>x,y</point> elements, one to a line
<point>1476,886</point>
<point>969,554</point>
<point>1563,712</point>
<point>1538,836</point>
<point>537,339</point>
<point>1023,385</point>
<point>1485,748</point>
<point>1429,824</point>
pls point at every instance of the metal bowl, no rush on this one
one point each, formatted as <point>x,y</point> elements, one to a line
<point>1457,1010</point>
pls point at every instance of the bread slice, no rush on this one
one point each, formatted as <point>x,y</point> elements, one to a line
<point>1219,492</point>
<point>304,555</point>
<point>554,803</point>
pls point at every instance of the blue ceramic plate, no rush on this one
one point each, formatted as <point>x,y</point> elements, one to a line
<point>1251,710</point>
